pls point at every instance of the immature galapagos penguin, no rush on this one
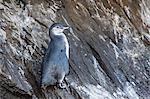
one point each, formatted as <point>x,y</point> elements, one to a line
<point>55,63</point>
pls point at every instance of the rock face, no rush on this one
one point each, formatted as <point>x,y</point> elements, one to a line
<point>109,48</point>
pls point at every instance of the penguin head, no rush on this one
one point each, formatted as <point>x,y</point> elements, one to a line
<point>57,29</point>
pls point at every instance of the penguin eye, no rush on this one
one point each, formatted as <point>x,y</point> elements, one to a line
<point>57,27</point>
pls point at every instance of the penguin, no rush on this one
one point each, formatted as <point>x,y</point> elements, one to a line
<point>55,65</point>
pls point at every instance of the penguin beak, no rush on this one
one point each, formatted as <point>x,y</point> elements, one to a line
<point>66,27</point>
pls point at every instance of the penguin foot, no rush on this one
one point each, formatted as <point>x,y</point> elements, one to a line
<point>62,85</point>
<point>43,87</point>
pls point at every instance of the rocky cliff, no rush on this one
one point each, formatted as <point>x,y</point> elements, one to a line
<point>109,48</point>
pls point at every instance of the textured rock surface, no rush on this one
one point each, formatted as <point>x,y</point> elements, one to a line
<point>109,48</point>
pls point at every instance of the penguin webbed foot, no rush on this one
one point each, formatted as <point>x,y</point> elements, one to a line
<point>43,87</point>
<point>61,85</point>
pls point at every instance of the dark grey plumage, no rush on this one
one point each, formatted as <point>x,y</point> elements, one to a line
<point>55,63</point>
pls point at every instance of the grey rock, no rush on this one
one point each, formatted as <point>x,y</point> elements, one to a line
<point>109,48</point>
